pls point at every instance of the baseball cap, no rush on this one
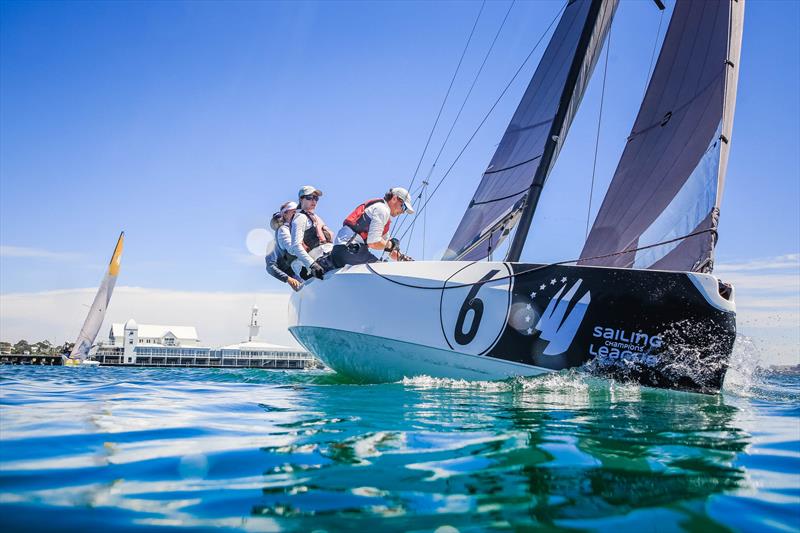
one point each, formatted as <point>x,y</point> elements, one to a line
<point>288,206</point>
<point>403,195</point>
<point>307,190</point>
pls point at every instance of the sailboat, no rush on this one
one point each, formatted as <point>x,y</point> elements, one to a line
<point>640,304</point>
<point>79,355</point>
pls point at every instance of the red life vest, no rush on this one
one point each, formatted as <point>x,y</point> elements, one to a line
<point>358,220</point>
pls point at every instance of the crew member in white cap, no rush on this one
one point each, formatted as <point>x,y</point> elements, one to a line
<point>367,228</point>
<point>311,238</point>
<point>279,262</point>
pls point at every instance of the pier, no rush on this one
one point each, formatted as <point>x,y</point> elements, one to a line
<point>30,359</point>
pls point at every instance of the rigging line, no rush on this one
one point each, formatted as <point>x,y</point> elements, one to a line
<point>491,109</point>
<point>410,237</point>
<point>653,55</point>
<point>534,268</point>
<point>597,137</point>
<point>471,87</point>
<point>466,98</point>
<point>424,231</point>
<point>446,96</point>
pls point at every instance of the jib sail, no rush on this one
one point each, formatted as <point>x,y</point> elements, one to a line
<point>669,180</point>
<point>542,118</point>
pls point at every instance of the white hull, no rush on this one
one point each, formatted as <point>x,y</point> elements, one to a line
<point>68,361</point>
<point>487,320</point>
<point>373,330</point>
<point>376,360</point>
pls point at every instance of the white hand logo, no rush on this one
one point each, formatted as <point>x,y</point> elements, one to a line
<point>555,327</point>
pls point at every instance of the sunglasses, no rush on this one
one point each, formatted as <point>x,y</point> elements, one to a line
<point>310,197</point>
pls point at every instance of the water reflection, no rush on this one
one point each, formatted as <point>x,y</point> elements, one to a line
<point>546,451</point>
<point>566,451</point>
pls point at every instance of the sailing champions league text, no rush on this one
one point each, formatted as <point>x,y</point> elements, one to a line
<point>622,345</point>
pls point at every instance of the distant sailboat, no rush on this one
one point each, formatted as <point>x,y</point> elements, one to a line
<point>640,303</point>
<point>94,320</point>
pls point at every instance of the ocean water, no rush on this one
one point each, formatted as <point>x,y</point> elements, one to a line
<point>128,449</point>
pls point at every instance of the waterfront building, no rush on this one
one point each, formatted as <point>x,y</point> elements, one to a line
<point>152,334</point>
<point>156,345</point>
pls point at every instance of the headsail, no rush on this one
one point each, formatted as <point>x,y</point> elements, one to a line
<point>98,310</point>
<point>543,116</point>
<point>669,181</point>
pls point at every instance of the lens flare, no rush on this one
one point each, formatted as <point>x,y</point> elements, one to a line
<point>259,242</point>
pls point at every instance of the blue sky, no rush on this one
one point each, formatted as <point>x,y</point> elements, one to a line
<point>187,123</point>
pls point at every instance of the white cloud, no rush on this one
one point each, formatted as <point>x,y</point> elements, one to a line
<point>765,283</point>
<point>27,252</point>
<point>788,261</point>
<point>768,304</point>
<point>220,317</point>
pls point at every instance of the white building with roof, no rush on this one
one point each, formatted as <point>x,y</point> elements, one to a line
<point>156,345</point>
<point>155,334</point>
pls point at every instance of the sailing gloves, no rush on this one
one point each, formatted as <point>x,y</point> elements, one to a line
<point>316,270</point>
<point>392,245</point>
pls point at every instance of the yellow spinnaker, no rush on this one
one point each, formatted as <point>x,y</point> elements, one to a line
<point>113,266</point>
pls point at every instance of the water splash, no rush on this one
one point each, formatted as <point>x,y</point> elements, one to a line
<point>746,368</point>
<point>428,382</point>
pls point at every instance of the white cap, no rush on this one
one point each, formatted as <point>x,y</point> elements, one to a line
<point>403,195</point>
<point>288,206</point>
<point>307,190</point>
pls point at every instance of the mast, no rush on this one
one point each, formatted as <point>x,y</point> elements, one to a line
<point>535,190</point>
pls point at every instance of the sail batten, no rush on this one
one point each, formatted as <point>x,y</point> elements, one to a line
<point>669,179</point>
<point>542,118</point>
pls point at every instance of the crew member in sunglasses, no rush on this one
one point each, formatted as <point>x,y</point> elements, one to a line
<point>311,238</point>
<point>367,228</point>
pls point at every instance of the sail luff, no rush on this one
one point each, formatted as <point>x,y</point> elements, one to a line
<point>731,87</point>
<point>728,110</point>
<point>97,312</point>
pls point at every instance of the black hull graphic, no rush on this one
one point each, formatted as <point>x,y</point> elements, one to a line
<point>656,328</point>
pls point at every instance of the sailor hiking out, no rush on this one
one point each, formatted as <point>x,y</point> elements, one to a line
<point>367,227</point>
<point>311,238</point>
<point>280,261</point>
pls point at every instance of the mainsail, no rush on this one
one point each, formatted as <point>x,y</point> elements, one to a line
<point>669,180</point>
<point>98,310</point>
<point>537,130</point>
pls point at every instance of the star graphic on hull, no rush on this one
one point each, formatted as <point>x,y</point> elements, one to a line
<point>542,286</point>
<point>530,331</point>
<point>533,295</point>
<point>564,280</point>
<point>528,307</point>
<point>553,281</point>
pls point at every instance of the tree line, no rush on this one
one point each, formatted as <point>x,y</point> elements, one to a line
<point>42,347</point>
